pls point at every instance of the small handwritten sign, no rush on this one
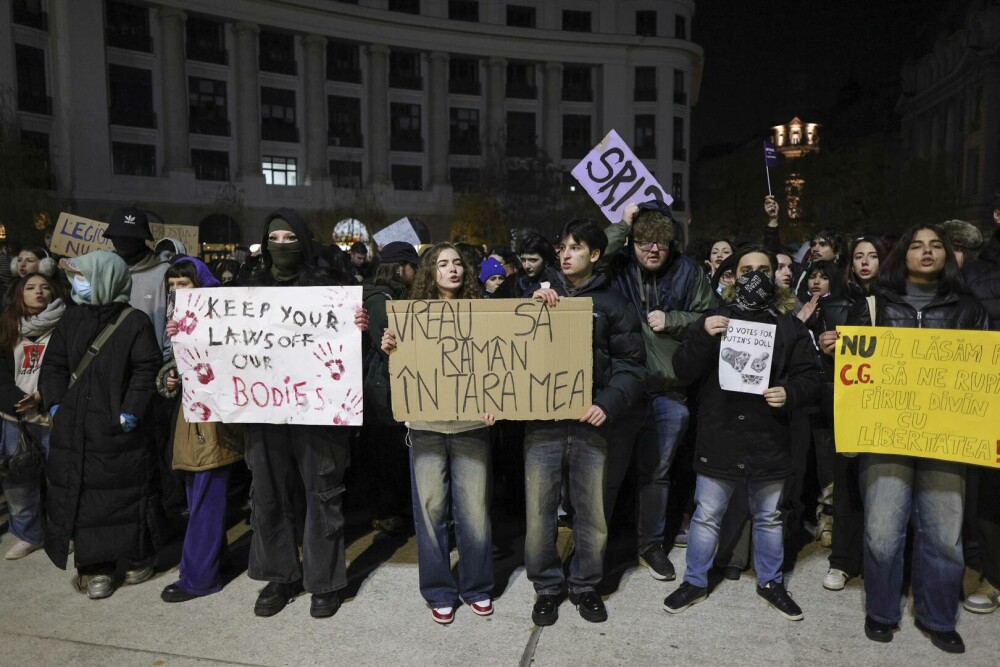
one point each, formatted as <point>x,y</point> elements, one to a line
<point>745,357</point>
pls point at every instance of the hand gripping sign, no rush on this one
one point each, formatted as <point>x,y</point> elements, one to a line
<point>613,176</point>
<point>271,355</point>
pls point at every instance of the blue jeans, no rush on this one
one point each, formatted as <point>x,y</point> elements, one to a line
<point>25,498</point>
<point>712,497</point>
<point>451,480</point>
<point>584,451</point>
<point>895,487</point>
<point>656,449</point>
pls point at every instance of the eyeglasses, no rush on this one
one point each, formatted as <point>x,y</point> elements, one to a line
<point>660,245</point>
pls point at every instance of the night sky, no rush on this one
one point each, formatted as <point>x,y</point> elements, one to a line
<point>767,60</point>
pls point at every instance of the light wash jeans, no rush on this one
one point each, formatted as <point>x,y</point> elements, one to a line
<point>24,498</point>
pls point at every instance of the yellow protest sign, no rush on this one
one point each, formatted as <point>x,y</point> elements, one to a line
<point>933,393</point>
<point>75,235</point>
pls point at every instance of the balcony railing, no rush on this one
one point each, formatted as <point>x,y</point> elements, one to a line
<point>345,140</point>
<point>204,172</point>
<point>282,66</point>
<point>34,103</point>
<point>408,144</point>
<point>129,41</point>
<point>644,95</point>
<point>345,75</point>
<point>206,53</point>
<point>407,81</point>
<point>460,87</point>
<point>131,118</point>
<point>465,147</point>
<point>279,132</point>
<point>216,126</point>
<point>522,91</point>
<point>577,94</point>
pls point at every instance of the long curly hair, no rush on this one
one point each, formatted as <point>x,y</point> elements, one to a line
<point>425,282</point>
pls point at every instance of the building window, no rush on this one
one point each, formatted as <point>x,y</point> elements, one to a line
<point>210,165</point>
<point>645,136</point>
<point>577,84</point>
<point>277,53</point>
<point>465,180</point>
<point>404,70</point>
<point>343,62</point>
<point>521,135</point>
<point>279,170</point>
<point>207,106</point>
<point>645,23</point>
<point>39,142</point>
<point>344,114</point>
<point>29,13</point>
<point>31,92</point>
<point>133,159</point>
<point>679,153</point>
<point>520,17</point>
<point>127,27</point>
<point>464,131</point>
<point>576,135</point>
<point>407,177</point>
<point>206,41</point>
<point>131,90</point>
<point>680,95</point>
<point>345,174</point>
<point>463,76</point>
<point>677,192</point>
<point>463,10</point>
<point>645,84</point>
<point>405,6</point>
<point>575,21</point>
<point>277,115</point>
<point>972,171</point>
<point>404,122</point>
<point>680,27</point>
<point>521,81</point>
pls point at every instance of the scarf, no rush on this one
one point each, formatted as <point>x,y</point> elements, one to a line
<point>34,326</point>
<point>286,259</point>
<point>754,291</point>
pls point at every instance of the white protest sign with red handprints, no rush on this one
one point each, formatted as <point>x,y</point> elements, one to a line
<point>271,355</point>
<point>613,176</point>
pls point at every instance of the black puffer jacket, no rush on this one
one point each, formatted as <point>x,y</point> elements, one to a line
<point>619,351</point>
<point>739,435</point>
<point>983,279</point>
<point>103,490</point>
<point>945,311</point>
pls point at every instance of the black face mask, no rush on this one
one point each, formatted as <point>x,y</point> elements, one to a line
<point>754,290</point>
<point>129,248</point>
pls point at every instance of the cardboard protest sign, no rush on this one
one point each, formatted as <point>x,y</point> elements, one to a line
<point>401,230</point>
<point>272,355</point>
<point>745,357</point>
<point>75,235</point>
<point>512,358</point>
<point>613,176</point>
<point>933,393</point>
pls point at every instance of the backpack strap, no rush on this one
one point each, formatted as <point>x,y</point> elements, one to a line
<point>97,343</point>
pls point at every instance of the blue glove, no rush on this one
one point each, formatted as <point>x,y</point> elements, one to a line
<point>129,422</point>
<point>52,410</point>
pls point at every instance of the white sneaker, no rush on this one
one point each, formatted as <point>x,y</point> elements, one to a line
<point>443,615</point>
<point>985,599</point>
<point>835,579</point>
<point>21,549</point>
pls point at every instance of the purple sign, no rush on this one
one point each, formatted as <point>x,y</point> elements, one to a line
<point>613,176</point>
<point>770,155</point>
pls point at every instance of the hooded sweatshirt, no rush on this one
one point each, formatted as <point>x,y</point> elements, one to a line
<point>149,294</point>
<point>110,281</point>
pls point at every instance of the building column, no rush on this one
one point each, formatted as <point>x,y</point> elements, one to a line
<point>552,108</point>
<point>315,107</point>
<point>176,151</point>
<point>378,114</point>
<point>8,68</point>
<point>247,101</point>
<point>437,112</point>
<point>614,112</point>
<point>496,104</point>
<point>664,164</point>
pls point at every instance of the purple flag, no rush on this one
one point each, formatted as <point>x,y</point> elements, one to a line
<point>770,155</point>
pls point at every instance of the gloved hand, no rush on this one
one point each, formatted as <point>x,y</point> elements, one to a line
<point>52,410</point>
<point>129,422</point>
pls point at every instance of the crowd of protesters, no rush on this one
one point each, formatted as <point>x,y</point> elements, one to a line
<point>736,479</point>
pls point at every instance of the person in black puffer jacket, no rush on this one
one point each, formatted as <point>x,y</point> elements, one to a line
<point>745,437</point>
<point>920,285</point>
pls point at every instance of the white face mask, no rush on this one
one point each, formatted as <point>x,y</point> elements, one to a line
<point>81,286</point>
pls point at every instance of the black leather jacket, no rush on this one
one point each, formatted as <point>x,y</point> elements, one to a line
<point>945,311</point>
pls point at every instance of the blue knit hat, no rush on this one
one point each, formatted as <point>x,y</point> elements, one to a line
<point>490,267</point>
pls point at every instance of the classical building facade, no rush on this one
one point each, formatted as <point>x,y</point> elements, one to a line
<point>793,140</point>
<point>303,103</point>
<point>950,110</point>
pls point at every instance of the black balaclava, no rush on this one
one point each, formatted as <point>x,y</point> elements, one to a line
<point>131,249</point>
<point>286,258</point>
<point>754,290</point>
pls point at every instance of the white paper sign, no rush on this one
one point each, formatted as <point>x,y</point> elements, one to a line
<point>270,355</point>
<point>745,357</point>
<point>613,176</point>
<point>401,230</point>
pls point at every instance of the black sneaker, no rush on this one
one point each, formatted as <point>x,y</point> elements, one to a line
<point>775,594</point>
<point>659,565</point>
<point>590,605</point>
<point>685,596</point>
<point>878,631</point>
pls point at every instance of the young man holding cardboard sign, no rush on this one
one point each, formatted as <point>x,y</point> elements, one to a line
<point>619,373</point>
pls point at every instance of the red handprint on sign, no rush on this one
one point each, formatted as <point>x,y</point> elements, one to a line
<point>198,410</point>
<point>189,322</point>
<point>328,358</point>
<point>203,370</point>
<point>351,407</point>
